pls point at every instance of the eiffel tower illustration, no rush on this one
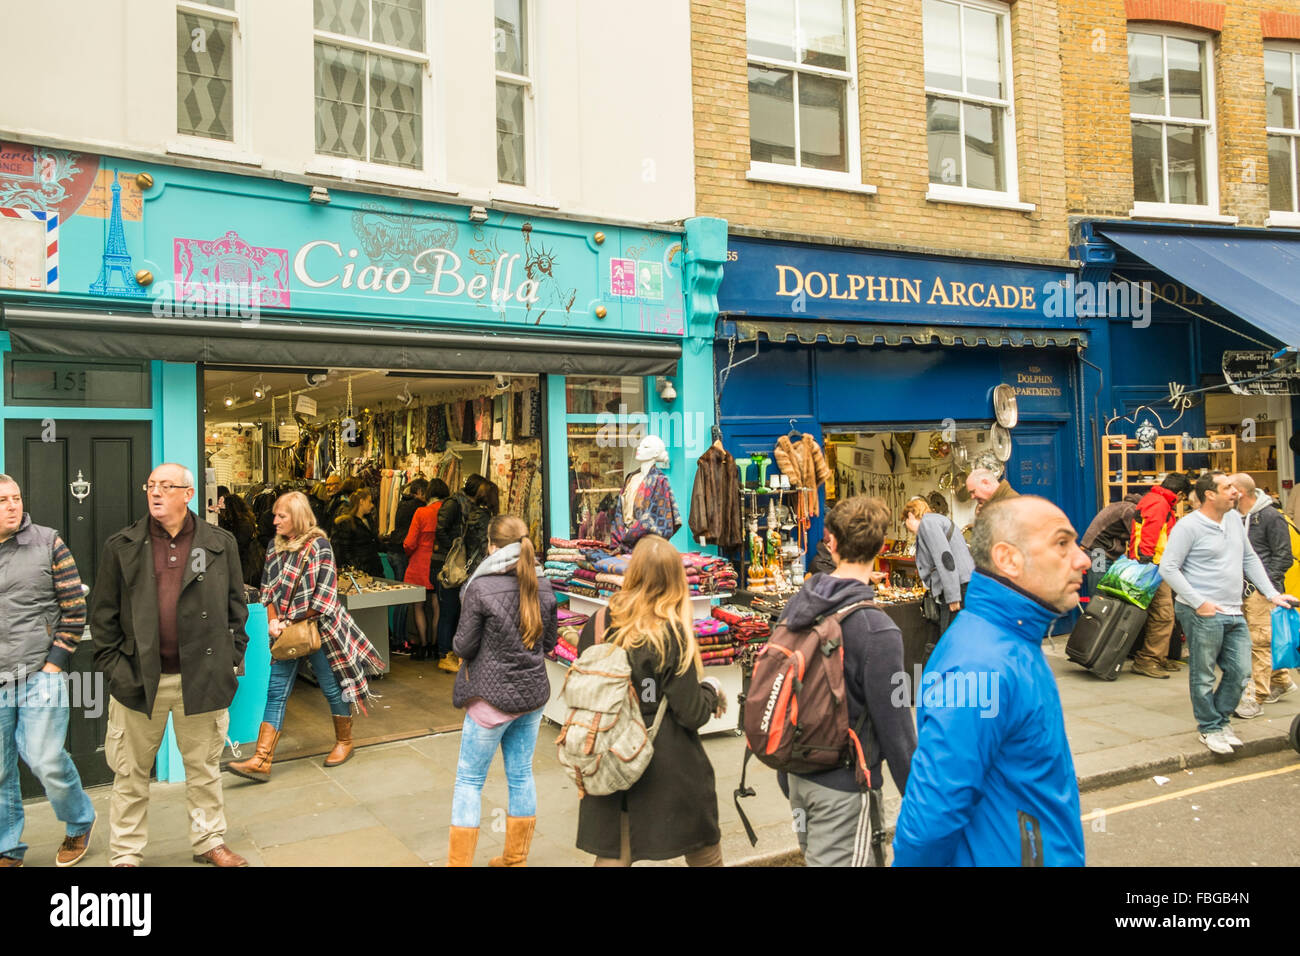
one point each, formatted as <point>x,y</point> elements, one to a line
<point>116,258</point>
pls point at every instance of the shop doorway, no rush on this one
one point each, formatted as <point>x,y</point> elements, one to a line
<point>47,458</point>
<point>267,429</point>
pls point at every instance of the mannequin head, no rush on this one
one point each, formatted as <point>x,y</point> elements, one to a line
<point>651,451</point>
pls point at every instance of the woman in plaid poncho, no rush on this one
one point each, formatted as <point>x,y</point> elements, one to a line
<point>300,583</point>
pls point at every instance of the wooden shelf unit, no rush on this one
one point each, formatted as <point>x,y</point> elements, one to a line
<point>1169,455</point>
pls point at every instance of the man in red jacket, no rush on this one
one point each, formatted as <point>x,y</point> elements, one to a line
<point>1155,519</point>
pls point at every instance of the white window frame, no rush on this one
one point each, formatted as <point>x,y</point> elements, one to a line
<point>849,180</point>
<point>429,176</point>
<point>1287,217</point>
<point>535,189</point>
<point>237,150</point>
<point>1008,198</point>
<point>1209,212</point>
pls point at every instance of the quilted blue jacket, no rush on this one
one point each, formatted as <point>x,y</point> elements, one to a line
<point>992,780</point>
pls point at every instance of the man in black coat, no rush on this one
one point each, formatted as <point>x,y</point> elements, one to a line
<point>1271,540</point>
<point>167,616</point>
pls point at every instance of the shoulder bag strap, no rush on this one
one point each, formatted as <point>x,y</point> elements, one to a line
<point>293,585</point>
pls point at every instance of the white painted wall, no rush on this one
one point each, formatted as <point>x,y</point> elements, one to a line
<point>612,115</point>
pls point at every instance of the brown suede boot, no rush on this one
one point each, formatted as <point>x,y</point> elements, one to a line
<point>460,846</point>
<point>343,742</point>
<point>258,766</point>
<point>519,837</point>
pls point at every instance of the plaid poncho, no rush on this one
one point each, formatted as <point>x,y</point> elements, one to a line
<point>306,564</point>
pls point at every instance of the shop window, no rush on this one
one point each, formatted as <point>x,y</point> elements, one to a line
<point>514,90</point>
<point>1172,112</point>
<point>1281,83</point>
<point>206,39</point>
<point>970,124</point>
<point>803,119</point>
<point>606,421</point>
<point>370,80</point>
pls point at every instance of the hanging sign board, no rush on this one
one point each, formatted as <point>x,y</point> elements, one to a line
<point>1239,366</point>
<point>306,406</point>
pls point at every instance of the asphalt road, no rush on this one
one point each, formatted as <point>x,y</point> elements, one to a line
<point>1242,812</point>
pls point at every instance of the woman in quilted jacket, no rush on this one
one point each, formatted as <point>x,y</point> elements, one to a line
<point>672,810</point>
<point>507,623</point>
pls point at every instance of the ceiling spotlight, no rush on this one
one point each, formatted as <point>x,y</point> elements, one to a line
<point>259,390</point>
<point>229,400</point>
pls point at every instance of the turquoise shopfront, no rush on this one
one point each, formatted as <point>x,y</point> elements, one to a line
<point>151,312</point>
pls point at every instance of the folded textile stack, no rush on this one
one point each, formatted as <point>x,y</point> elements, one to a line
<point>565,652</point>
<point>748,626</point>
<point>570,627</point>
<point>708,573</point>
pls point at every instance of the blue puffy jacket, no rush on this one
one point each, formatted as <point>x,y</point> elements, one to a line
<point>992,780</point>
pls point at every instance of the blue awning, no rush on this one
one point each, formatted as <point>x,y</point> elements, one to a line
<point>1255,277</point>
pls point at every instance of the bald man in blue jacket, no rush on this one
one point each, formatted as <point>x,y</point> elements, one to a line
<point>992,781</point>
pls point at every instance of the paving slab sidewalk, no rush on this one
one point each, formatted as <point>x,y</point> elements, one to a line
<point>391,804</point>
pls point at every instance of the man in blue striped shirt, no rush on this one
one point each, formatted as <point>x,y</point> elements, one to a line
<point>1207,556</point>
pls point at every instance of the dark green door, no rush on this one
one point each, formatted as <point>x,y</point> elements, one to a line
<point>45,458</point>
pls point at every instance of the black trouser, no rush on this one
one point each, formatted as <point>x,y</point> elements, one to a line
<point>946,615</point>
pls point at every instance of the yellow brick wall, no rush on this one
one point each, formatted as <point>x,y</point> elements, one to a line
<point>894,155</point>
<point>1098,149</point>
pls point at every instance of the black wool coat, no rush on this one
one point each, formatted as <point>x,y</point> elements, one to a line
<point>210,619</point>
<point>673,809</point>
<point>495,665</point>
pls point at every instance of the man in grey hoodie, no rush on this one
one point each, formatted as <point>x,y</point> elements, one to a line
<point>831,812</point>
<point>1271,539</point>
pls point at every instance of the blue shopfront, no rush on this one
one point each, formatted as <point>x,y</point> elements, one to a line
<point>153,313</point>
<point>890,362</point>
<point>1208,308</point>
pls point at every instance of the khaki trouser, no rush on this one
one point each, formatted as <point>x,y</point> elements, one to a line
<point>1259,617</point>
<point>1158,628</point>
<point>131,746</point>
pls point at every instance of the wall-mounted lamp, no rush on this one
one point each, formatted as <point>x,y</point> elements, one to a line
<point>320,195</point>
<point>665,386</point>
<point>478,214</point>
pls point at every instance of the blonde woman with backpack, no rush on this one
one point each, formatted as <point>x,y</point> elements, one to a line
<point>507,622</point>
<point>672,810</point>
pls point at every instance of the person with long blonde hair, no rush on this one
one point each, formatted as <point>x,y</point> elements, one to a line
<point>507,623</point>
<point>672,810</point>
<point>301,583</point>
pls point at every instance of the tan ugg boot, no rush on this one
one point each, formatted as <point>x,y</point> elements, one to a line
<point>519,837</point>
<point>460,847</point>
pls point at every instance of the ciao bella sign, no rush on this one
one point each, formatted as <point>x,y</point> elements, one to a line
<point>323,264</point>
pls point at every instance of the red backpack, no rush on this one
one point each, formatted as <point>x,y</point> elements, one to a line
<point>797,708</point>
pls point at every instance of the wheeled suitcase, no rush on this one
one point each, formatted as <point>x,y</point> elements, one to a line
<point>1105,633</point>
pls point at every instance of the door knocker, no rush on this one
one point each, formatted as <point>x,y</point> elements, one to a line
<point>80,488</point>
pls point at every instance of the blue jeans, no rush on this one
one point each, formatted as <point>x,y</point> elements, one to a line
<point>33,726</point>
<point>478,745</point>
<point>1223,640</point>
<point>283,675</point>
<point>448,617</point>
